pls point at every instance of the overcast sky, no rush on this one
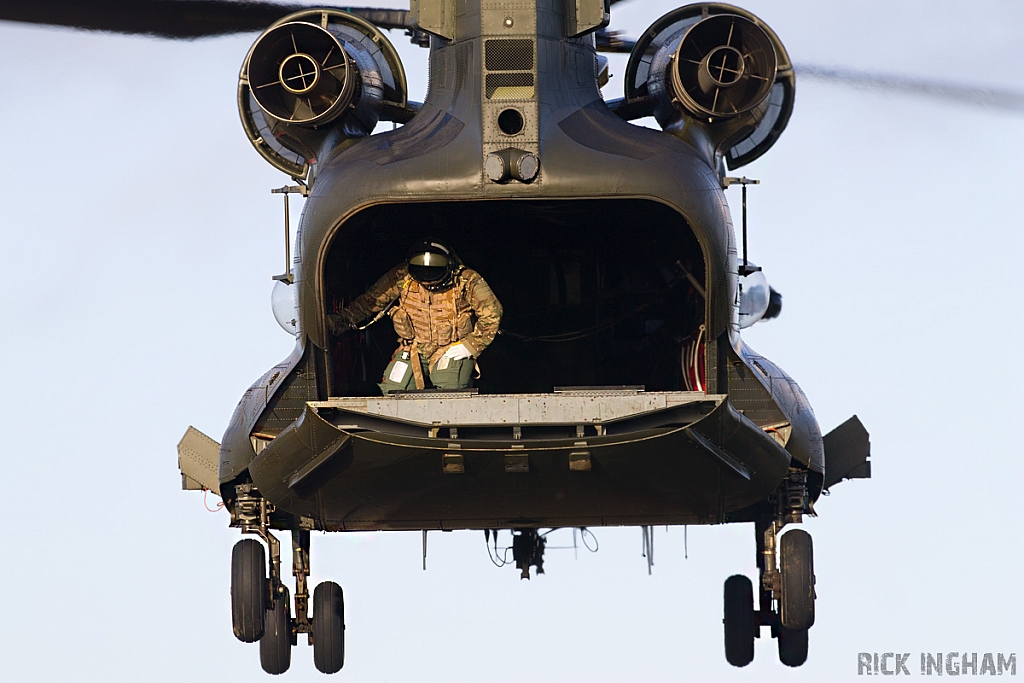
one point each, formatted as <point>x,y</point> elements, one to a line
<point>139,238</point>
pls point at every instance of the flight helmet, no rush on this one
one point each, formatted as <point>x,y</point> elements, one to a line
<point>431,263</point>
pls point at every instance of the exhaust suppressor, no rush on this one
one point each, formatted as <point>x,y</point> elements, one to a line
<point>718,68</point>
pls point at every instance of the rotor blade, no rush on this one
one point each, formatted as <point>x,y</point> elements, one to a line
<point>173,18</point>
<point>992,98</point>
<point>1012,100</point>
<point>383,18</point>
<point>612,41</point>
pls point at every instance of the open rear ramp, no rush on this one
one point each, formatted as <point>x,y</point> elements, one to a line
<point>573,458</point>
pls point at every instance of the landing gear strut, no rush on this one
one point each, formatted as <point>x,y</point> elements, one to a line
<point>251,593</point>
<point>260,604</point>
<point>786,588</point>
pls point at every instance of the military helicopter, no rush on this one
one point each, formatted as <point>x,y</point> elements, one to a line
<point>620,392</point>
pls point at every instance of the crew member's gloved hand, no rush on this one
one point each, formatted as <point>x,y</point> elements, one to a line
<point>456,351</point>
<point>338,323</point>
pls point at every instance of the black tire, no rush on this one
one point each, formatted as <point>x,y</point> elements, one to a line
<point>248,590</point>
<point>796,564</point>
<point>740,624</point>
<point>276,643</point>
<point>328,628</point>
<point>792,646</point>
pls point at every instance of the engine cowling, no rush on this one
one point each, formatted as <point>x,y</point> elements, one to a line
<point>313,80</point>
<point>717,76</point>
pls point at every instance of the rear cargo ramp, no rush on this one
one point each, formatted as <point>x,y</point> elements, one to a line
<point>588,458</point>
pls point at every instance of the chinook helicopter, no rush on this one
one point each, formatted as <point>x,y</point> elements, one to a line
<point>620,391</point>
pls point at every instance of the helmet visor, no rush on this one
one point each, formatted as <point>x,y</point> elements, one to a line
<point>428,267</point>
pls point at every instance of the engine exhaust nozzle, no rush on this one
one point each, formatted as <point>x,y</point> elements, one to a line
<point>300,73</point>
<point>723,66</point>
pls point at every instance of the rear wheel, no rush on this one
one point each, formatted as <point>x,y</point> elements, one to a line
<point>248,589</point>
<point>328,628</point>
<point>792,646</point>
<point>740,625</point>
<point>276,643</point>
<point>796,566</point>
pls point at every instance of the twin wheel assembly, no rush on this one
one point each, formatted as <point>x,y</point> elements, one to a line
<point>786,600</point>
<point>261,609</point>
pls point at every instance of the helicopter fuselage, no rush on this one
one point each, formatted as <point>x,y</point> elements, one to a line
<point>613,213</point>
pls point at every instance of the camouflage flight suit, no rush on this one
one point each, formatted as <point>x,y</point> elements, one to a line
<point>428,323</point>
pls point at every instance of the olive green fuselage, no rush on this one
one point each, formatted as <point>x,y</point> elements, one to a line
<point>614,218</point>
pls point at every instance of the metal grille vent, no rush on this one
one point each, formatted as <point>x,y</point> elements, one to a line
<point>509,86</point>
<point>508,54</point>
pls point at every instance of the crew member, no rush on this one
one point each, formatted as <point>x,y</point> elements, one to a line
<point>445,315</point>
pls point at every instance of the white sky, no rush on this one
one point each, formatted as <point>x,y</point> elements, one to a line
<point>139,238</point>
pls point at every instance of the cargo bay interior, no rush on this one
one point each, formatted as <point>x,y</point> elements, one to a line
<point>595,292</point>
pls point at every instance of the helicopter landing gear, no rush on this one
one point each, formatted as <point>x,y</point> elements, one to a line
<point>740,620</point>
<point>251,592</point>
<point>260,607</point>
<point>328,628</point>
<point>248,590</point>
<point>786,591</point>
<point>796,597</point>
<point>786,587</point>
<point>792,646</point>
<point>276,643</point>
<point>300,570</point>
